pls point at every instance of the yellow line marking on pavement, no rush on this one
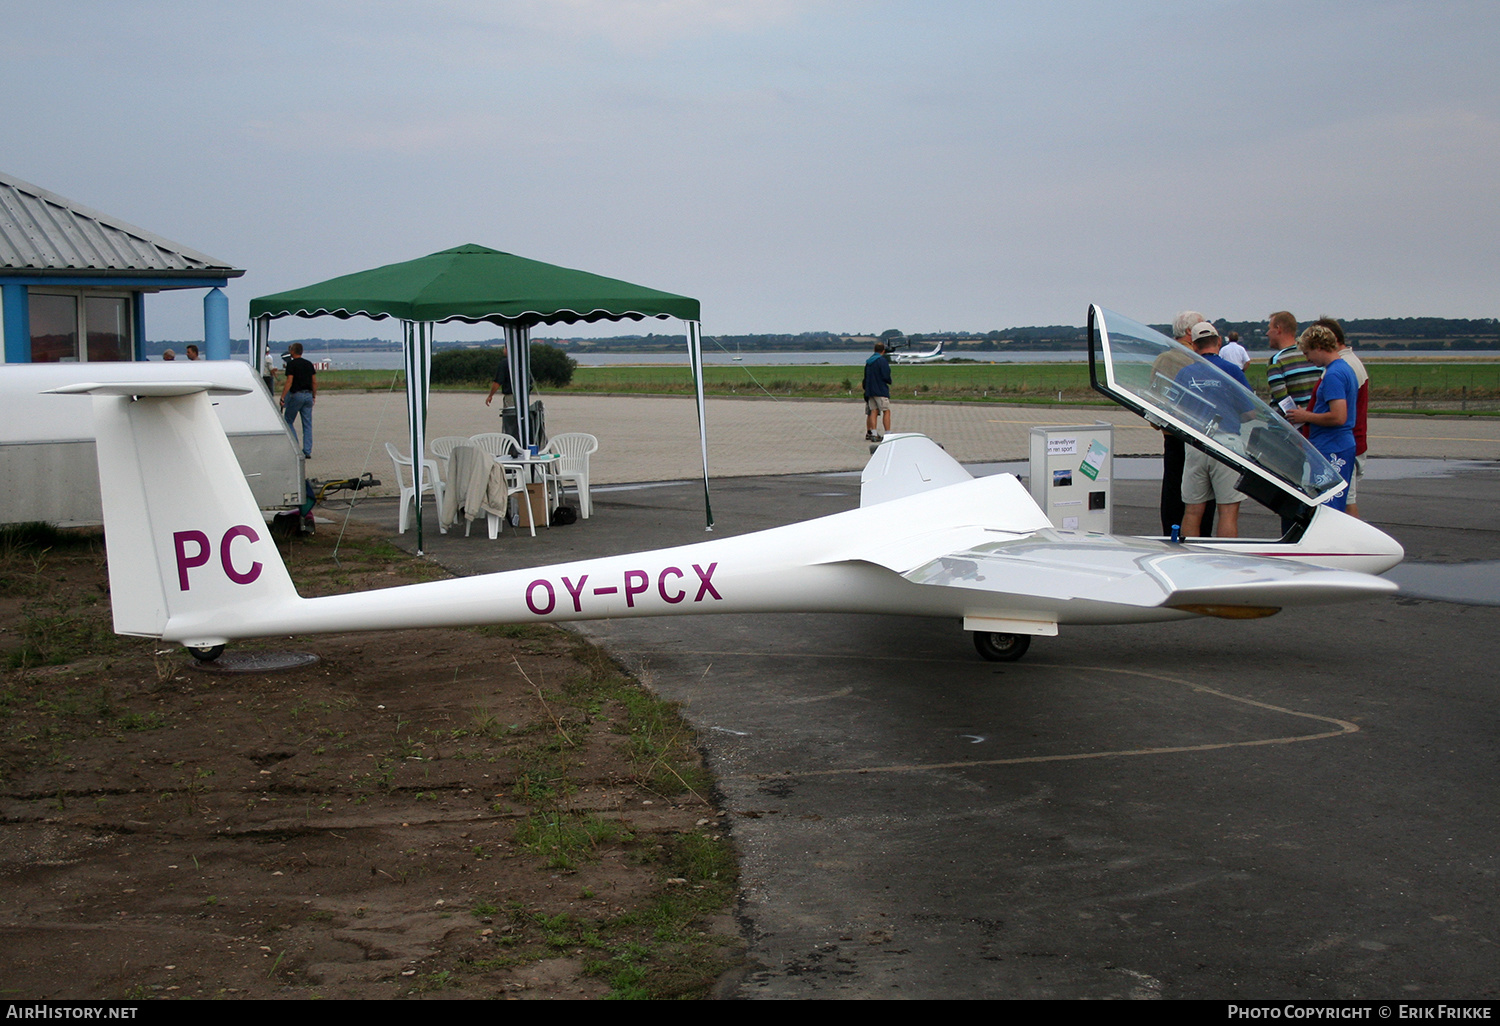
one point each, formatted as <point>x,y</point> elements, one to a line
<point>795,655</point>
<point>1341,727</point>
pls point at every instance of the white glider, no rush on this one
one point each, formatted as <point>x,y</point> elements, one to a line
<point>927,357</point>
<point>191,560</point>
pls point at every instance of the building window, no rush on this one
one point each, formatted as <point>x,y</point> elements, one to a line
<point>108,322</point>
<point>54,328</point>
<point>61,320</point>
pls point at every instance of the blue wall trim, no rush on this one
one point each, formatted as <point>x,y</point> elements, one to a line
<point>138,309</point>
<point>17,324</point>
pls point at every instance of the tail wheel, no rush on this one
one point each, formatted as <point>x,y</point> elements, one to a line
<point>1001,648</point>
<point>206,655</point>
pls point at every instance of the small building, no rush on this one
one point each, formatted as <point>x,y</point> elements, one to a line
<point>73,281</point>
<point>73,284</point>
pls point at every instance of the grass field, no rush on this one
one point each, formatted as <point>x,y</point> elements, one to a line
<point>947,381</point>
<point>1392,383</point>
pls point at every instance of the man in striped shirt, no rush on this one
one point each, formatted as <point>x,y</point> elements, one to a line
<point>1290,375</point>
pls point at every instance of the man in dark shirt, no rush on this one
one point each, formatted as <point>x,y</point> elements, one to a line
<point>298,396</point>
<point>1219,407</point>
<point>877,392</point>
<point>501,383</point>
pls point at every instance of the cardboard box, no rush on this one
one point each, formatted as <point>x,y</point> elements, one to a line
<point>536,500</point>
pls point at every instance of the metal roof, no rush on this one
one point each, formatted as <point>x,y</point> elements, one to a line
<point>44,233</point>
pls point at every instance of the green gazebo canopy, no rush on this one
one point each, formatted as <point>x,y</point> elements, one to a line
<point>473,283</point>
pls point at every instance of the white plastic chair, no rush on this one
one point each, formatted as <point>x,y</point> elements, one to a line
<point>431,482</point>
<point>500,444</point>
<point>515,484</point>
<point>442,449</point>
<point>497,443</point>
<point>574,449</point>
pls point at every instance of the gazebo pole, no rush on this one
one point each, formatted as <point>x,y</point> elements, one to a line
<point>418,359</point>
<point>260,346</point>
<point>695,357</point>
<point>518,360</point>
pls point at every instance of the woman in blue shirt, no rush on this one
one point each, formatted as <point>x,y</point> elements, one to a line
<point>1331,420</point>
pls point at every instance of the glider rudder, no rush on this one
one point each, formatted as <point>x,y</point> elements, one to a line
<point>187,543</point>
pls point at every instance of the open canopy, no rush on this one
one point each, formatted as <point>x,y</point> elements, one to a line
<point>1144,371</point>
<point>473,283</point>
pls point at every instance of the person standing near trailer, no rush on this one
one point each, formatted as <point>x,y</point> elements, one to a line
<point>298,395</point>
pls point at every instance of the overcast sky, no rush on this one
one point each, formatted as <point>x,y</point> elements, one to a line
<point>796,166</point>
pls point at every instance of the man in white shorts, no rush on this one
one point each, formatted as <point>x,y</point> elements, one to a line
<point>1204,477</point>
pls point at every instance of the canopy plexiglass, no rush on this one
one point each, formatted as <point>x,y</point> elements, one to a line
<point>1147,372</point>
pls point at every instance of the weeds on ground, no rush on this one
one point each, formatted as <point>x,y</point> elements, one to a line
<point>653,946</point>
<point>657,947</point>
<point>561,840</point>
<point>56,625</point>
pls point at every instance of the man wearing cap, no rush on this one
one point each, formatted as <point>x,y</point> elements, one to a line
<point>1173,449</point>
<point>1223,408</point>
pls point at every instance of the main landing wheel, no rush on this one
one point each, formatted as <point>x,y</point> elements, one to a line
<point>206,655</point>
<point>1001,648</point>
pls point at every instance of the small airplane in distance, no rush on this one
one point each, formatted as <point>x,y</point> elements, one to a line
<point>191,560</point>
<point>928,357</point>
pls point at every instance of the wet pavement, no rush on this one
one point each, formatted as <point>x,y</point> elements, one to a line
<point>1474,584</point>
<point>1297,807</point>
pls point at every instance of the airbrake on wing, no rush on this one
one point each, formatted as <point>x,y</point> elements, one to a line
<point>191,561</point>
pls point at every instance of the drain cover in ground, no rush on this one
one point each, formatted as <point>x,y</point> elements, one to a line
<point>257,662</point>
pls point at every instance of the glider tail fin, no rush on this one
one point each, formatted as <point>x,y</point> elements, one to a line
<point>189,553</point>
<point>907,464</point>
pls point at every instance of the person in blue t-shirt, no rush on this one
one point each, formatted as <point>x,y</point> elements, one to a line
<point>877,392</point>
<point>1330,422</point>
<point>1213,400</point>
